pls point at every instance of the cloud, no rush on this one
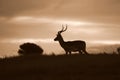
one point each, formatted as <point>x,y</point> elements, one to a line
<point>12,30</point>
<point>14,7</point>
<point>24,19</point>
<point>59,8</point>
<point>91,7</point>
<point>39,27</point>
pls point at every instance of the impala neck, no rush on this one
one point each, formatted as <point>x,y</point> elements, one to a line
<point>61,40</point>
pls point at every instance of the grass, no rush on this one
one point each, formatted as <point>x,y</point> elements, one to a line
<point>61,67</point>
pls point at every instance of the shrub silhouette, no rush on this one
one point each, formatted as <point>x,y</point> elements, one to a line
<point>30,48</point>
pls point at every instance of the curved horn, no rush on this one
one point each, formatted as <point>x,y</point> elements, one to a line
<point>65,28</point>
<point>62,29</point>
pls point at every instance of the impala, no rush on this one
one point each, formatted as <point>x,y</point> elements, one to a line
<point>70,46</point>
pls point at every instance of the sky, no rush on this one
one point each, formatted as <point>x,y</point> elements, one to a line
<point>95,21</point>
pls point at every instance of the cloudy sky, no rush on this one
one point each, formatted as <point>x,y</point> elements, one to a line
<point>95,21</point>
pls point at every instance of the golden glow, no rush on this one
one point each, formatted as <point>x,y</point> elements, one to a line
<point>94,21</point>
<point>29,19</point>
<point>52,41</point>
<point>105,42</point>
<point>27,40</point>
<point>90,31</point>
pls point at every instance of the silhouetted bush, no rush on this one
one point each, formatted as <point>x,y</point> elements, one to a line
<point>30,48</point>
<point>118,50</point>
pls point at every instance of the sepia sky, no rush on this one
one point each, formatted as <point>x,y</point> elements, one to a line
<point>95,21</point>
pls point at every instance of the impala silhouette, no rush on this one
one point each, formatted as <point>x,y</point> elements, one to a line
<point>70,46</point>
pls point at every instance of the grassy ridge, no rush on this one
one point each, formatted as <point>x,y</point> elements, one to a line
<point>62,67</point>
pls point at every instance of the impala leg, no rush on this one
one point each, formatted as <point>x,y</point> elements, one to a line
<point>66,52</point>
<point>70,52</point>
<point>85,51</point>
<point>80,52</point>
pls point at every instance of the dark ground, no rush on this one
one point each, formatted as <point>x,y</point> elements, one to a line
<point>62,67</point>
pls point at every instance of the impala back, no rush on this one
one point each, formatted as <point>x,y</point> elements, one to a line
<point>74,45</point>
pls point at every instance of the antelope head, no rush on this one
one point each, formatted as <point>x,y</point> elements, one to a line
<point>59,33</point>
